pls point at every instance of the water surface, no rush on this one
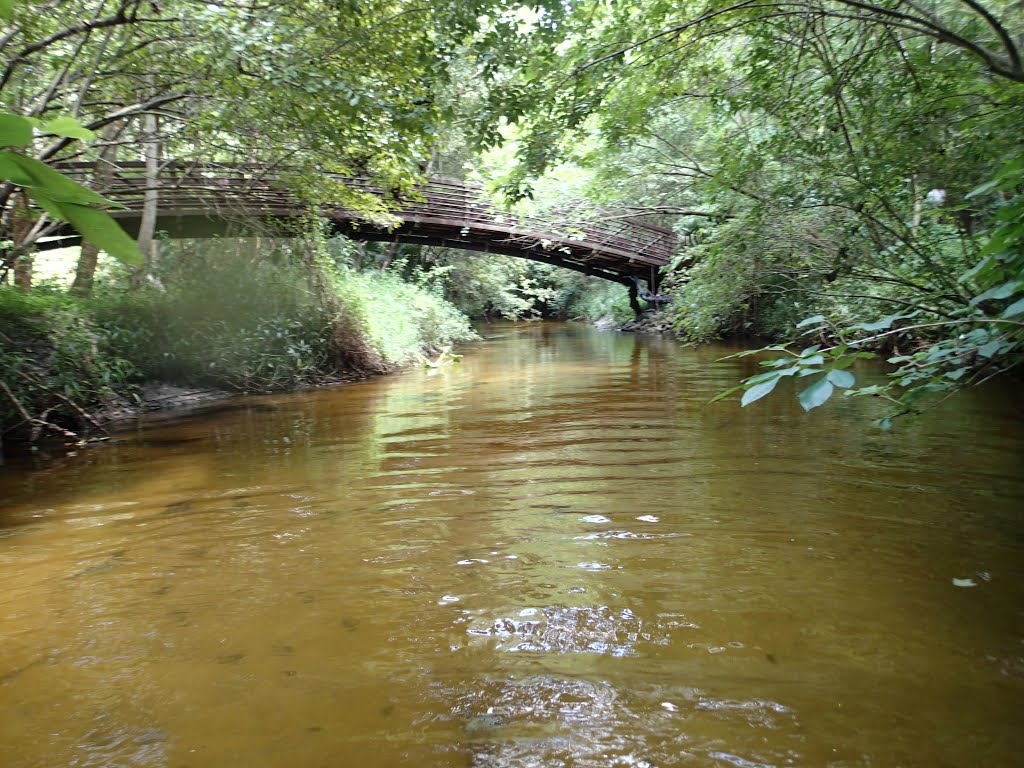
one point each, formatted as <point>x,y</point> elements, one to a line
<point>552,554</point>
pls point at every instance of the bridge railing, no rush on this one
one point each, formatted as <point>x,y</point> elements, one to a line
<point>250,190</point>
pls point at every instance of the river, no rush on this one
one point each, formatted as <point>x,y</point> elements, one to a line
<point>554,553</point>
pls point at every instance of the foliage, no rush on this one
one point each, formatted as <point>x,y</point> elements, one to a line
<point>252,319</point>
<point>62,198</point>
<point>592,299</point>
<point>303,85</point>
<point>235,322</point>
<point>239,315</point>
<point>968,345</point>
<point>399,320</point>
<point>486,287</point>
<point>56,362</point>
<point>818,157</point>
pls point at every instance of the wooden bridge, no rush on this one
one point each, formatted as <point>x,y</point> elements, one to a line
<point>209,200</point>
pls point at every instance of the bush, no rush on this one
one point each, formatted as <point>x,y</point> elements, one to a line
<point>246,319</point>
<point>56,363</point>
<point>592,299</point>
<point>229,321</point>
<point>273,318</point>
<point>397,320</point>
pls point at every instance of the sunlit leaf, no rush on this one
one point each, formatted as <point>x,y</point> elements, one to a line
<point>15,130</point>
<point>971,273</point>
<point>816,319</point>
<point>722,395</point>
<point>1004,291</point>
<point>96,227</point>
<point>843,379</point>
<point>68,127</point>
<point>816,394</point>
<point>53,184</point>
<point>881,325</point>
<point>1017,308</point>
<point>758,391</point>
<point>993,347</point>
<point>12,172</point>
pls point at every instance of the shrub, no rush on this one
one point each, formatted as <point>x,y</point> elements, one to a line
<point>56,363</point>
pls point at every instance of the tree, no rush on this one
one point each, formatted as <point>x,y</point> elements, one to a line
<point>309,85</point>
<point>820,153</point>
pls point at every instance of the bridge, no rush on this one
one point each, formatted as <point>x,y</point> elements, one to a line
<point>207,200</point>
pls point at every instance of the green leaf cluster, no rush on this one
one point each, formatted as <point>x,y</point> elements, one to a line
<point>59,196</point>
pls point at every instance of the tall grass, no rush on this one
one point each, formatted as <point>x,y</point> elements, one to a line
<point>254,318</point>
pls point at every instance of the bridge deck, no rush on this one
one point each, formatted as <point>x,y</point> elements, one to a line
<point>205,200</point>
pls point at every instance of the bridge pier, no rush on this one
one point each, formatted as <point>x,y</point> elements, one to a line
<point>634,298</point>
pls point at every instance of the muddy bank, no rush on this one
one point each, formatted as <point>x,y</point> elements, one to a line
<point>174,400</point>
<point>651,321</point>
<point>157,396</point>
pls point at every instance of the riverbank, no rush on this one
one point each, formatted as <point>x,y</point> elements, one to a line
<point>651,321</point>
<point>70,365</point>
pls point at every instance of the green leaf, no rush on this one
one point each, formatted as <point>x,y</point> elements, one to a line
<point>749,352</point>
<point>988,186</point>
<point>54,185</point>
<point>1014,309</point>
<point>761,377</point>
<point>999,242</point>
<point>96,227</point>
<point>758,391</point>
<point>49,206</point>
<point>15,131</point>
<point>69,127</point>
<point>843,379</point>
<point>6,9</point>
<point>12,172</point>
<point>993,347</point>
<point>873,390</point>
<point>725,394</point>
<point>811,321</point>
<point>985,263</point>
<point>1004,291</point>
<point>816,394</point>
<point>882,325</point>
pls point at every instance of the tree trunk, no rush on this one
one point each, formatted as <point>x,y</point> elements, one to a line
<point>21,223</point>
<point>389,256</point>
<point>23,273</point>
<point>85,272</point>
<point>915,220</point>
<point>150,199</point>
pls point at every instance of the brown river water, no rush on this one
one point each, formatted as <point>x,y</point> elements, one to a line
<point>553,553</point>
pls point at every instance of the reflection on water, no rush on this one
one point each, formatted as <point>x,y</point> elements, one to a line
<point>553,554</point>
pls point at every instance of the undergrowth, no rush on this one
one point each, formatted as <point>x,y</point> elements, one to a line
<point>56,365</point>
<point>246,320</point>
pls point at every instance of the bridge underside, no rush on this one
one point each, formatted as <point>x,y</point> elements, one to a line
<point>605,263</point>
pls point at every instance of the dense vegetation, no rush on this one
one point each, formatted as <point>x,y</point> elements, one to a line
<point>852,171</point>
<point>846,172</point>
